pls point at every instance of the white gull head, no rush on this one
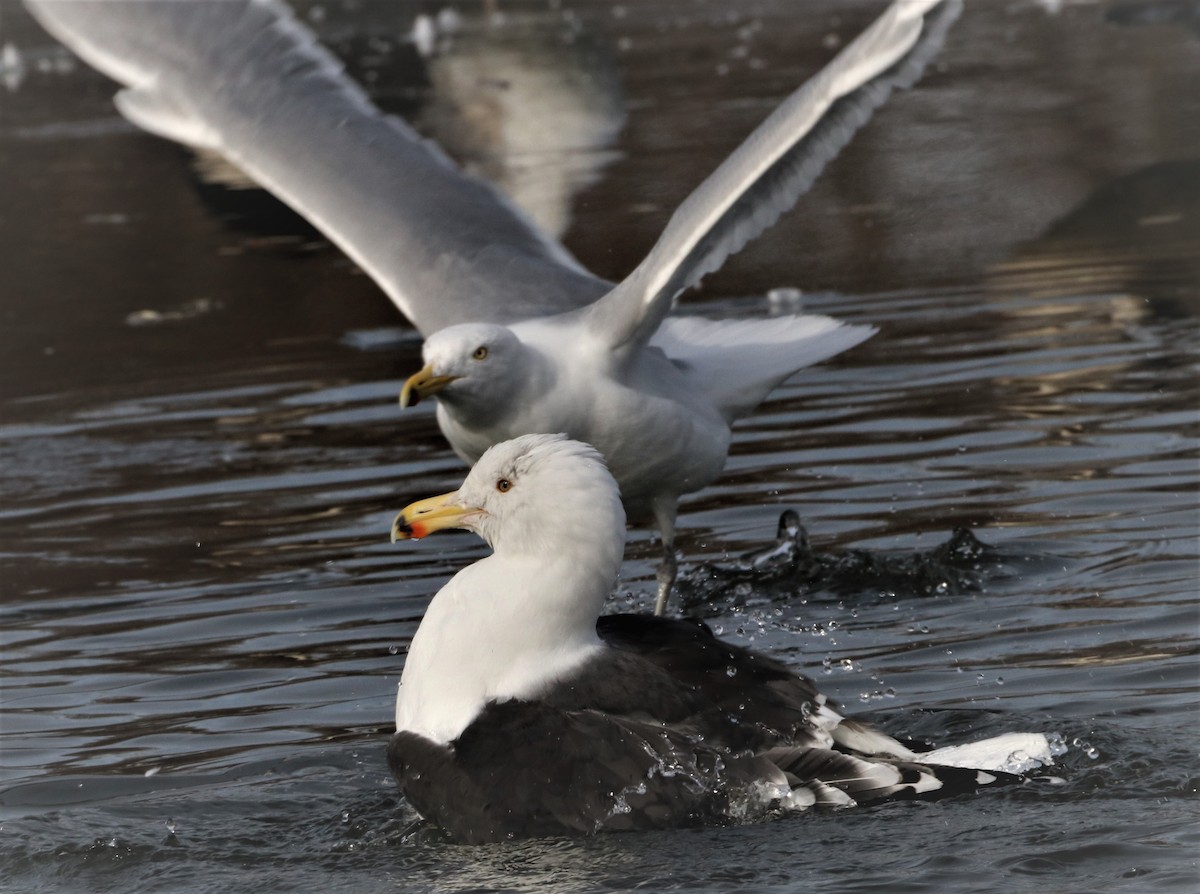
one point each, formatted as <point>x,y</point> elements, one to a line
<point>477,368</point>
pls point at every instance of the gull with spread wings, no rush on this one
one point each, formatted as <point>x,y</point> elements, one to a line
<point>519,337</point>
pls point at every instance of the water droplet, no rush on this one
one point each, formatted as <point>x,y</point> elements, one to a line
<point>731,671</point>
<point>393,650</point>
<point>171,827</point>
<point>345,816</point>
<point>999,681</point>
<point>890,692</point>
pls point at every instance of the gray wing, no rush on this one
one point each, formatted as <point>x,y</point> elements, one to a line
<point>774,166</point>
<point>246,79</point>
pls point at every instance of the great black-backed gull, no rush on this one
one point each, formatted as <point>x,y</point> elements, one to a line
<point>520,714</point>
<point>520,338</point>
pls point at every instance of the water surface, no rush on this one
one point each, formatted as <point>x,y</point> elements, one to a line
<point>203,621</point>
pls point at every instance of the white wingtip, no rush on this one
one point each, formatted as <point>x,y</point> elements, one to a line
<point>1009,753</point>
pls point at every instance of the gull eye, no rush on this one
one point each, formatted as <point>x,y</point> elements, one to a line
<point>480,353</point>
<point>504,485</point>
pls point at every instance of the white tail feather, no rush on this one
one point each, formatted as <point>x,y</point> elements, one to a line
<point>739,362</point>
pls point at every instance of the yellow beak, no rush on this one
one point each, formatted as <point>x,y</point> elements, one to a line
<point>422,384</point>
<point>422,518</point>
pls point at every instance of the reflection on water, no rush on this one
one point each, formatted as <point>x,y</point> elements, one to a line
<point>1136,236</point>
<point>203,622</point>
<point>530,104</point>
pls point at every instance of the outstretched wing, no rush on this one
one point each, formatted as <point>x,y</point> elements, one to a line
<point>774,166</point>
<point>245,78</point>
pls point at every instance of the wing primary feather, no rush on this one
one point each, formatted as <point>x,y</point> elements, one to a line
<point>246,78</point>
<point>778,162</point>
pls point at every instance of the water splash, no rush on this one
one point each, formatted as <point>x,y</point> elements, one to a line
<point>792,568</point>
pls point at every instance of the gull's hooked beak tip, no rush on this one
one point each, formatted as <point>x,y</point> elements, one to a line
<point>409,396</point>
<point>422,518</point>
<point>422,384</point>
<point>401,529</point>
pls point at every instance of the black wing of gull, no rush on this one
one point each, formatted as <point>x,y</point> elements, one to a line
<point>246,79</point>
<point>779,161</point>
<point>670,727</point>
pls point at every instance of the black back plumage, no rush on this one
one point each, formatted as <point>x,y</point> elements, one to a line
<point>666,727</point>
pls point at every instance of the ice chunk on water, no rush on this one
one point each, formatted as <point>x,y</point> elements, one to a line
<point>424,35</point>
<point>785,300</point>
<point>12,66</point>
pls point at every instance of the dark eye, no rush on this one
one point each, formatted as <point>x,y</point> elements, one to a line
<point>504,485</point>
<point>480,353</point>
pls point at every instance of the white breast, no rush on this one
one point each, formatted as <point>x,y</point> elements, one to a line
<point>488,636</point>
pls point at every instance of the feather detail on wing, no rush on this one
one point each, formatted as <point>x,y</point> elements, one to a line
<point>245,78</point>
<point>774,166</point>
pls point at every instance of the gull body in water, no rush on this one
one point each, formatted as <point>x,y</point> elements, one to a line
<point>522,713</point>
<point>519,337</point>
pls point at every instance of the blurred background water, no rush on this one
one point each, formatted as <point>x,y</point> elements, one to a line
<point>200,450</point>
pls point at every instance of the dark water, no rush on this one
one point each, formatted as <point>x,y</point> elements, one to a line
<point>203,622</point>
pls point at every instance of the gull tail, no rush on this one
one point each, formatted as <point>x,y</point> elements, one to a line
<point>739,362</point>
<point>862,764</point>
<point>838,779</point>
<point>835,778</point>
<point>1008,753</point>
